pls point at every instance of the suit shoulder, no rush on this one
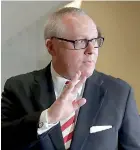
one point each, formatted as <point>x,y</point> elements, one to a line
<point>23,79</point>
<point>113,81</point>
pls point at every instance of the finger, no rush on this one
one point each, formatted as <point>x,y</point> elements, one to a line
<point>75,79</point>
<point>70,86</point>
<point>67,90</point>
<point>78,103</point>
<point>79,84</point>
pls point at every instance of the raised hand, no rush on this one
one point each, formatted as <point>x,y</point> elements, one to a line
<point>65,105</point>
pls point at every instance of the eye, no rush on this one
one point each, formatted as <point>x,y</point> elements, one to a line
<point>81,42</point>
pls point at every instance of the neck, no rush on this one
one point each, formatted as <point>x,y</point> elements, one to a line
<point>60,71</point>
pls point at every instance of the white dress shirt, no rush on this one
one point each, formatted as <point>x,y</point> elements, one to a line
<point>59,83</point>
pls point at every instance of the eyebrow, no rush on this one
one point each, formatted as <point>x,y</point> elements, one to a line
<point>85,37</point>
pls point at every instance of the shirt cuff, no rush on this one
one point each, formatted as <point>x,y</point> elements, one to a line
<point>43,123</point>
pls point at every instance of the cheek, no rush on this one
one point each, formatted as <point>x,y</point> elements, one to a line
<point>72,57</point>
<point>97,52</point>
<point>77,59</point>
<point>95,57</point>
<point>61,55</point>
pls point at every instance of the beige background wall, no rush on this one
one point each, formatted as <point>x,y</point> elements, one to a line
<point>120,54</point>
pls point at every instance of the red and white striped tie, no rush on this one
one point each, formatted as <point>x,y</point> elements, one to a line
<point>67,127</point>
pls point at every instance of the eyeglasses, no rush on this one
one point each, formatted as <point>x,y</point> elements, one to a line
<point>83,43</point>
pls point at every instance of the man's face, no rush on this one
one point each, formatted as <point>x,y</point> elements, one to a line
<point>66,60</point>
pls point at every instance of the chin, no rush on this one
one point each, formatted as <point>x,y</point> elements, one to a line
<point>87,73</point>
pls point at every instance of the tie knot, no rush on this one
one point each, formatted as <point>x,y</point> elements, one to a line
<point>67,82</point>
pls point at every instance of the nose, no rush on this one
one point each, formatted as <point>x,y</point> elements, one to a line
<point>90,49</point>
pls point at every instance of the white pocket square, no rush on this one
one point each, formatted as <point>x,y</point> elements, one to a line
<point>95,129</point>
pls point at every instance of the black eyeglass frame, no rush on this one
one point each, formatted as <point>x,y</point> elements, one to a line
<point>74,41</point>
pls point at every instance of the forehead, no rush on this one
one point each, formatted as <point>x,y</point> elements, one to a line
<point>79,26</point>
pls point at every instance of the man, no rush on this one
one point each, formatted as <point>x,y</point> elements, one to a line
<point>69,105</point>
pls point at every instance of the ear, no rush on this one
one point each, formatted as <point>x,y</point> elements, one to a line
<point>50,47</point>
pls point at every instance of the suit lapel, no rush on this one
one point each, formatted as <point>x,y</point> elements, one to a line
<point>94,93</point>
<point>43,91</point>
<point>44,97</point>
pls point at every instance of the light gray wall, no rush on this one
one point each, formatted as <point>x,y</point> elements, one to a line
<point>23,48</point>
<point>19,14</point>
<point>24,52</point>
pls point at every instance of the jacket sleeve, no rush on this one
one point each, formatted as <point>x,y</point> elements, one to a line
<point>129,135</point>
<point>18,128</point>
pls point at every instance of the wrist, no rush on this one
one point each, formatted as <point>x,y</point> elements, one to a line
<point>49,117</point>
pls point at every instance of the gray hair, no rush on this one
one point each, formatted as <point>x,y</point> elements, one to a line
<point>54,23</point>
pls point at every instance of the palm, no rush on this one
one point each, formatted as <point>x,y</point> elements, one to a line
<point>65,105</point>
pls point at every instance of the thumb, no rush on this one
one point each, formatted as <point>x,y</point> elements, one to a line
<point>80,102</point>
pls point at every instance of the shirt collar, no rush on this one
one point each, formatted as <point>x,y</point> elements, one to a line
<point>59,81</point>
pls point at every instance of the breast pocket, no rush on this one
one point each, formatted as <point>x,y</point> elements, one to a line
<point>103,140</point>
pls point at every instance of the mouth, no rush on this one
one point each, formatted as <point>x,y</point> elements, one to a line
<point>89,61</point>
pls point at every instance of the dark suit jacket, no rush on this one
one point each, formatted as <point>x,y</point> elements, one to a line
<point>109,102</point>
